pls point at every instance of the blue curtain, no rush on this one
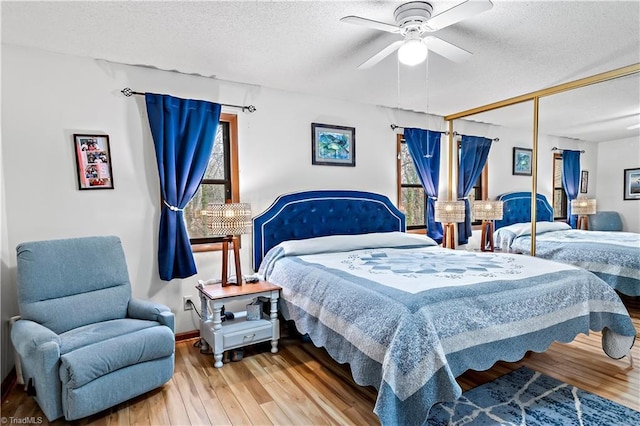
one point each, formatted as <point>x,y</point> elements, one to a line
<point>183,133</point>
<point>474,151</point>
<point>571,181</point>
<point>424,148</point>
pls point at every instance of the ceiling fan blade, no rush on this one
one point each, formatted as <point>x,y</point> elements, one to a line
<point>446,49</point>
<point>381,55</point>
<point>370,23</point>
<point>457,13</point>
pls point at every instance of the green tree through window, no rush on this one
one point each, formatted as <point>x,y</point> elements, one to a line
<point>219,183</point>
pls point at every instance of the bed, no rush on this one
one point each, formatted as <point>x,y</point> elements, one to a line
<point>613,256</point>
<point>410,316</point>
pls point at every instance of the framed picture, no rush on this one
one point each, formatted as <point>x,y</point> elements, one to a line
<point>93,161</point>
<point>522,161</point>
<point>584,181</point>
<point>632,184</point>
<point>333,145</point>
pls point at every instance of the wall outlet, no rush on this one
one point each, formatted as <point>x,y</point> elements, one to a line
<point>185,302</point>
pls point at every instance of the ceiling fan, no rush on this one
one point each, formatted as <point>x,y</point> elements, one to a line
<point>413,20</point>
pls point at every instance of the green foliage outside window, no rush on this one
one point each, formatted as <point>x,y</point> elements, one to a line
<point>214,188</point>
<point>412,195</point>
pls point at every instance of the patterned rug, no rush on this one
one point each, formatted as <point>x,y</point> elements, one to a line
<point>526,397</point>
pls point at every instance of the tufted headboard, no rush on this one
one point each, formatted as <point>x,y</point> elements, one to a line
<point>517,209</point>
<point>321,213</point>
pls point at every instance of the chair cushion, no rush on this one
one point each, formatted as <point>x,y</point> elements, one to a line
<point>605,221</point>
<point>84,276</point>
<point>87,363</point>
<point>94,333</point>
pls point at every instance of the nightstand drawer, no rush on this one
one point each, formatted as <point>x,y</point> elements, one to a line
<point>247,337</point>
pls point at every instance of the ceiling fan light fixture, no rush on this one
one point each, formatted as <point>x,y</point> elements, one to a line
<point>412,52</point>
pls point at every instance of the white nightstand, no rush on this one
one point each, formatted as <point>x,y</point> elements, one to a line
<point>239,332</point>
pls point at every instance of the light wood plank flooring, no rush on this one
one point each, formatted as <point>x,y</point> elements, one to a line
<point>302,385</point>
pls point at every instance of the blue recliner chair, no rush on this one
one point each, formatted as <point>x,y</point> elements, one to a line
<point>605,221</point>
<point>84,343</point>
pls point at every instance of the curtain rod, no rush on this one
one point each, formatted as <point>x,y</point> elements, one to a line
<point>555,148</point>
<point>128,92</point>
<point>395,126</point>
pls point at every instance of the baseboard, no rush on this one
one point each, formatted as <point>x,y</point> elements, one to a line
<point>8,383</point>
<point>187,335</point>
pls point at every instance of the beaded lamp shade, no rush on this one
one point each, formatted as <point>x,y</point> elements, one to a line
<point>583,206</point>
<point>449,211</point>
<point>487,210</point>
<point>228,219</point>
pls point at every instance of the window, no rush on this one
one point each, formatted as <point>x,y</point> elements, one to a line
<point>220,183</point>
<point>559,196</point>
<point>411,196</point>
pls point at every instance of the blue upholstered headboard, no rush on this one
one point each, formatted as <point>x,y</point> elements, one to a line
<point>517,209</point>
<point>320,213</point>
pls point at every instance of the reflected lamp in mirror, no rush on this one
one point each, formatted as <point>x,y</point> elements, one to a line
<point>487,212</point>
<point>228,221</point>
<point>583,207</point>
<point>448,213</point>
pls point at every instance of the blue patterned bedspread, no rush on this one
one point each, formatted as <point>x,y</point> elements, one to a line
<point>410,320</point>
<point>613,256</point>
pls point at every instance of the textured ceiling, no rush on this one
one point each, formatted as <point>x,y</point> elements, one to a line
<point>301,46</point>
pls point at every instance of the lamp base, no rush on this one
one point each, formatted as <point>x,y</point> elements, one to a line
<point>448,236</point>
<point>486,241</point>
<point>225,260</point>
<point>583,223</point>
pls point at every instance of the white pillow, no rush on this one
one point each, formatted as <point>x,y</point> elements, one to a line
<point>542,227</point>
<point>337,243</point>
<point>504,237</point>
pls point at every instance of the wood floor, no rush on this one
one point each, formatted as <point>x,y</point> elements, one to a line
<point>302,385</point>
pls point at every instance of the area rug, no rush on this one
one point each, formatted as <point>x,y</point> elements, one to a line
<point>526,397</point>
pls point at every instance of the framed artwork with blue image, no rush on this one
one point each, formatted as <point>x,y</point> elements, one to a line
<point>333,145</point>
<point>522,161</point>
<point>632,184</point>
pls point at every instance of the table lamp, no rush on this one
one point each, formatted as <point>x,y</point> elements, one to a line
<point>448,213</point>
<point>229,220</point>
<point>583,207</point>
<point>487,211</point>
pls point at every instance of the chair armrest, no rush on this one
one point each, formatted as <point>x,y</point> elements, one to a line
<point>28,336</point>
<point>38,349</point>
<point>151,311</point>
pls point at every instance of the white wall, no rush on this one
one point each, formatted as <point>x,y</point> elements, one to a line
<point>613,158</point>
<point>47,97</point>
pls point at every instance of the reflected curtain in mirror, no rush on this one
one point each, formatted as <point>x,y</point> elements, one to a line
<point>183,133</point>
<point>474,152</point>
<point>571,180</point>
<point>424,148</point>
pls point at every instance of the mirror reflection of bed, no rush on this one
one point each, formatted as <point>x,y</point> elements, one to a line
<point>410,316</point>
<point>605,250</point>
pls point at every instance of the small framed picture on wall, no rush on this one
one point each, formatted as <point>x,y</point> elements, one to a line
<point>632,184</point>
<point>522,161</point>
<point>93,161</point>
<point>333,145</point>
<point>584,182</point>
